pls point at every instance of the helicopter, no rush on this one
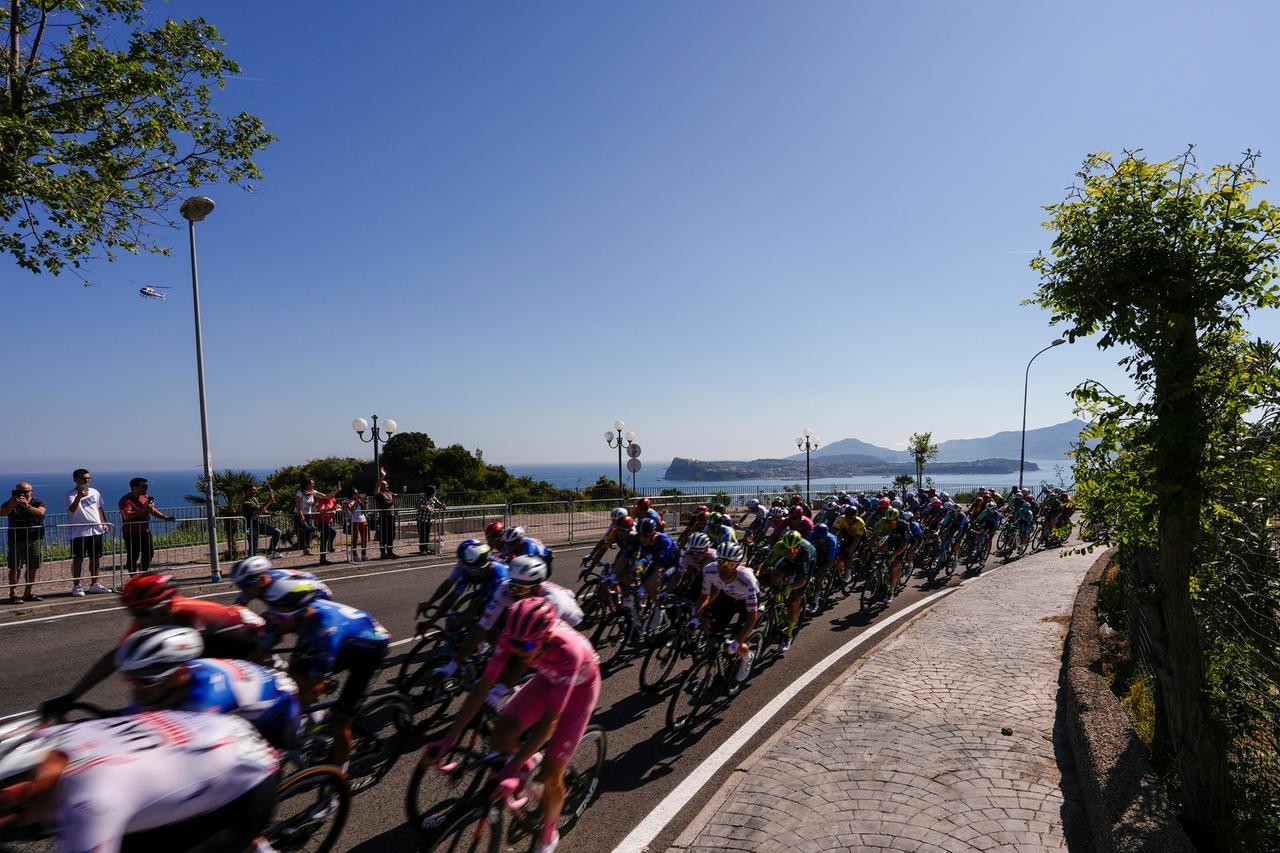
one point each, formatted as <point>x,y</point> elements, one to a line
<point>149,292</point>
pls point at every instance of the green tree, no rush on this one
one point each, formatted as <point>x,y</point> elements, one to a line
<point>1166,260</point>
<point>230,491</point>
<point>922,449</point>
<point>903,481</point>
<point>103,120</point>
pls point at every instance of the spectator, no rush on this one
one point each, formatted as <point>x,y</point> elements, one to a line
<point>88,524</point>
<point>26,537</point>
<point>137,509</point>
<point>428,506</point>
<point>326,506</point>
<point>255,526</point>
<point>304,503</point>
<point>384,501</point>
<point>355,507</point>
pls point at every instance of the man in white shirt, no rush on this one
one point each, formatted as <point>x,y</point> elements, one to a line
<point>304,504</point>
<point>89,523</point>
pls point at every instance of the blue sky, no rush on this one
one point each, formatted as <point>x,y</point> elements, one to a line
<point>508,224</point>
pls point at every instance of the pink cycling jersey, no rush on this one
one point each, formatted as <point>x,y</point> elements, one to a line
<point>566,682</point>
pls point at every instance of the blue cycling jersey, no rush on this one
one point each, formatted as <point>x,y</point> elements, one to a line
<point>264,697</point>
<point>333,638</point>
<point>488,581</point>
<point>662,551</point>
<point>916,531</point>
<point>530,547</point>
<point>827,546</point>
<point>273,575</point>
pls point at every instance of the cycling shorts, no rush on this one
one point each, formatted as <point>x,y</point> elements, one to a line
<point>239,643</point>
<point>530,702</point>
<point>359,674</point>
<point>231,827</point>
<point>723,612</point>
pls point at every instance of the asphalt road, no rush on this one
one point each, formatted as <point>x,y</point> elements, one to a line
<point>44,657</point>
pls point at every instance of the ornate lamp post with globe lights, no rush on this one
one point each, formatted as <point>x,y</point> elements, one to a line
<point>808,443</point>
<point>621,442</point>
<point>360,425</point>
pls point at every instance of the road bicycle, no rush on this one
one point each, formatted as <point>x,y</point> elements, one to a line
<point>667,650</point>
<point>710,677</point>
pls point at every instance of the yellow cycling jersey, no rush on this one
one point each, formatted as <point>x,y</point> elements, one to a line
<point>852,527</point>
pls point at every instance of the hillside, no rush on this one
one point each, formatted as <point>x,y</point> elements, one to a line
<point>1049,442</point>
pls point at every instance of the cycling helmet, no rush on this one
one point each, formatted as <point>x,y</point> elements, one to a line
<point>821,530</point>
<point>474,554</point>
<point>699,542</point>
<point>935,503</point>
<point>842,494</point>
<point>289,595</point>
<point>884,504</point>
<point>627,523</point>
<point>949,505</point>
<point>512,535</point>
<point>719,507</point>
<point>850,512</point>
<point>776,512</point>
<point>22,745</point>
<point>797,512</point>
<point>528,571</point>
<point>831,502</point>
<point>753,504</point>
<point>777,502</point>
<point>701,509</point>
<point>795,499</point>
<point>945,497</point>
<point>896,503</point>
<point>248,569</point>
<point>791,539</point>
<point>618,513</point>
<point>645,503</point>
<point>731,553</point>
<point>156,647</point>
<point>494,530</point>
<point>529,621</point>
<point>893,514</point>
<point>148,590</point>
<point>908,516</point>
<point>647,527</point>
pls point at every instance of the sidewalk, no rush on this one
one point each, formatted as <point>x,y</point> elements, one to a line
<point>942,739</point>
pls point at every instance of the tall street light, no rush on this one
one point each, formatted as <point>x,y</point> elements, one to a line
<point>1022,454</point>
<point>619,441</point>
<point>809,443</point>
<point>194,210</point>
<point>388,426</point>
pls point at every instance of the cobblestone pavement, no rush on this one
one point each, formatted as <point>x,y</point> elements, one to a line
<point>944,738</point>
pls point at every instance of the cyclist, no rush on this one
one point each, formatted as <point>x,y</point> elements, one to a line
<point>751,518</point>
<point>493,534</point>
<point>152,599</point>
<point>696,524</point>
<point>686,579</point>
<point>790,564</point>
<point>516,544</point>
<point>658,554</point>
<point>619,526</point>
<point>253,575</point>
<point>850,529</point>
<point>644,508</point>
<point>527,577</point>
<point>915,535</point>
<point>829,513</point>
<point>827,546</point>
<point>723,533</point>
<point>551,710</point>
<point>731,591</point>
<point>894,537</point>
<point>1022,516</point>
<point>1066,508</point>
<point>774,525</point>
<point>797,501</point>
<point>951,530</point>
<point>159,780</point>
<point>988,521</point>
<point>475,569</point>
<point>799,521</point>
<point>166,673</point>
<point>332,638</point>
<point>933,513</point>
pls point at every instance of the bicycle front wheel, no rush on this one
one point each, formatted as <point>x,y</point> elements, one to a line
<point>310,811</point>
<point>582,776</point>
<point>477,828</point>
<point>660,659</point>
<point>378,732</point>
<point>693,694</point>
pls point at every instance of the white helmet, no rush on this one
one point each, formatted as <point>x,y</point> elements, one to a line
<point>513,534</point>
<point>163,644</point>
<point>248,569</point>
<point>527,570</point>
<point>618,513</point>
<point>753,504</point>
<point>22,746</point>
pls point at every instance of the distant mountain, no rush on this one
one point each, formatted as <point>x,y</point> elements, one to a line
<point>838,466</point>
<point>1049,442</point>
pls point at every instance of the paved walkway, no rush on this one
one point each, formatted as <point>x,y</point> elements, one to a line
<point>944,738</point>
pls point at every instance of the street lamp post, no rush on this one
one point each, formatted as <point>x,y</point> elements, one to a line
<point>621,442</point>
<point>375,436</point>
<point>808,443</point>
<point>194,210</point>
<point>1022,454</point>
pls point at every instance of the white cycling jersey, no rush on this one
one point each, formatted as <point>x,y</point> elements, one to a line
<point>144,771</point>
<point>744,587</point>
<point>565,602</point>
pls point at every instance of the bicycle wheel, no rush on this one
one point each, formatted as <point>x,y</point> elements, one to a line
<point>590,600</point>
<point>612,636</point>
<point>1007,542</point>
<point>378,733</point>
<point>904,576</point>
<point>1037,535</point>
<point>694,693</point>
<point>871,587</point>
<point>431,695</point>
<point>582,776</point>
<point>421,650</point>
<point>478,828</point>
<point>310,811</point>
<point>660,659</point>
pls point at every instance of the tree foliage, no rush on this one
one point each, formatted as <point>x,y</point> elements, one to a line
<point>922,449</point>
<point>1166,261</point>
<point>414,462</point>
<point>103,120</point>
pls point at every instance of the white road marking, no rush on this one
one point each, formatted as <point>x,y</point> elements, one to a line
<point>639,838</point>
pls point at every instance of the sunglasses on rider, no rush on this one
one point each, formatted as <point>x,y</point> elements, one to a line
<point>727,564</point>
<point>149,677</point>
<point>524,645</point>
